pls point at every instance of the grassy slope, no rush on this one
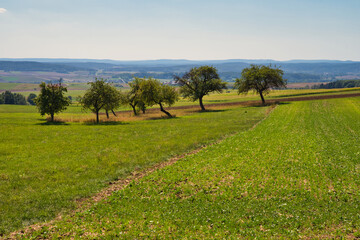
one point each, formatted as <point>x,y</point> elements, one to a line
<point>43,168</point>
<point>295,175</point>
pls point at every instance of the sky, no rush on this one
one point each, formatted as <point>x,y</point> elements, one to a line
<point>180,29</point>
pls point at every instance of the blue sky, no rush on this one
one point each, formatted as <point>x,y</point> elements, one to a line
<point>180,29</point>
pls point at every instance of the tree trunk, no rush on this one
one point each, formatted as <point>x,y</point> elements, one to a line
<point>262,98</point>
<point>113,112</point>
<point>134,110</point>
<point>107,114</point>
<point>97,116</point>
<point>52,117</point>
<point>164,111</point>
<point>201,104</point>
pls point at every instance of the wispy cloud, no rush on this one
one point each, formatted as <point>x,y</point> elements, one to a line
<point>2,10</point>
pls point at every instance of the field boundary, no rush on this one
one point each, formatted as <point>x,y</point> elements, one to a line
<point>83,204</point>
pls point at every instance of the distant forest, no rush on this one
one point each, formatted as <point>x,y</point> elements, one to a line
<point>8,66</point>
<point>338,84</point>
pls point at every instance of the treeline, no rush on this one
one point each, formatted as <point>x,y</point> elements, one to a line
<point>144,92</point>
<point>338,84</point>
<point>103,96</point>
<point>147,92</point>
<point>8,97</point>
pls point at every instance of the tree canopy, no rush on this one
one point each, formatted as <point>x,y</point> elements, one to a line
<point>112,100</point>
<point>133,97</point>
<point>8,97</point>
<point>51,99</point>
<point>100,95</point>
<point>261,79</point>
<point>31,99</point>
<point>153,92</point>
<point>200,81</point>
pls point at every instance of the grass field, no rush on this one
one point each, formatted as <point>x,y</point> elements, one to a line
<point>295,175</point>
<point>8,86</point>
<point>45,168</point>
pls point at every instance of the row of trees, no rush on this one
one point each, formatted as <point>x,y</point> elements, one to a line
<point>338,84</point>
<point>147,92</point>
<point>143,93</point>
<point>8,97</point>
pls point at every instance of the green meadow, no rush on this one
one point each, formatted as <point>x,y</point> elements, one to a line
<point>45,168</point>
<point>295,175</point>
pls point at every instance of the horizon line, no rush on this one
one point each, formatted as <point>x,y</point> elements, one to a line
<point>179,59</point>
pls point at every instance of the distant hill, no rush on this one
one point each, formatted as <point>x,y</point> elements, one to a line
<point>323,68</point>
<point>29,66</point>
<point>168,62</point>
<point>295,70</point>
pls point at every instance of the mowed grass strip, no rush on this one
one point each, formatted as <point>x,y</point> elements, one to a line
<point>45,168</point>
<point>296,175</point>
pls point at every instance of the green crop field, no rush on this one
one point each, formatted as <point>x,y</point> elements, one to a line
<point>45,168</point>
<point>293,176</point>
<point>8,86</point>
<point>9,79</point>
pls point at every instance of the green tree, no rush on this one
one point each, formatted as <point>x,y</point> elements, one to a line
<point>261,79</point>
<point>31,99</point>
<point>100,95</point>
<point>153,92</point>
<point>51,99</point>
<point>112,99</point>
<point>19,99</point>
<point>200,81</point>
<point>8,97</point>
<point>133,97</point>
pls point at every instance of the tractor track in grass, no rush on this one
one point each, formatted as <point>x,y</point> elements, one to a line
<point>255,102</point>
<point>85,203</point>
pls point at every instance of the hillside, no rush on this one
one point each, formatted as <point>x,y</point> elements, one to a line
<point>27,66</point>
<point>123,71</point>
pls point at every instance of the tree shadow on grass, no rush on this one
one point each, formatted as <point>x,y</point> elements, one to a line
<point>268,104</point>
<point>45,122</point>
<point>162,118</point>
<point>283,103</point>
<point>105,123</point>
<point>211,110</point>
